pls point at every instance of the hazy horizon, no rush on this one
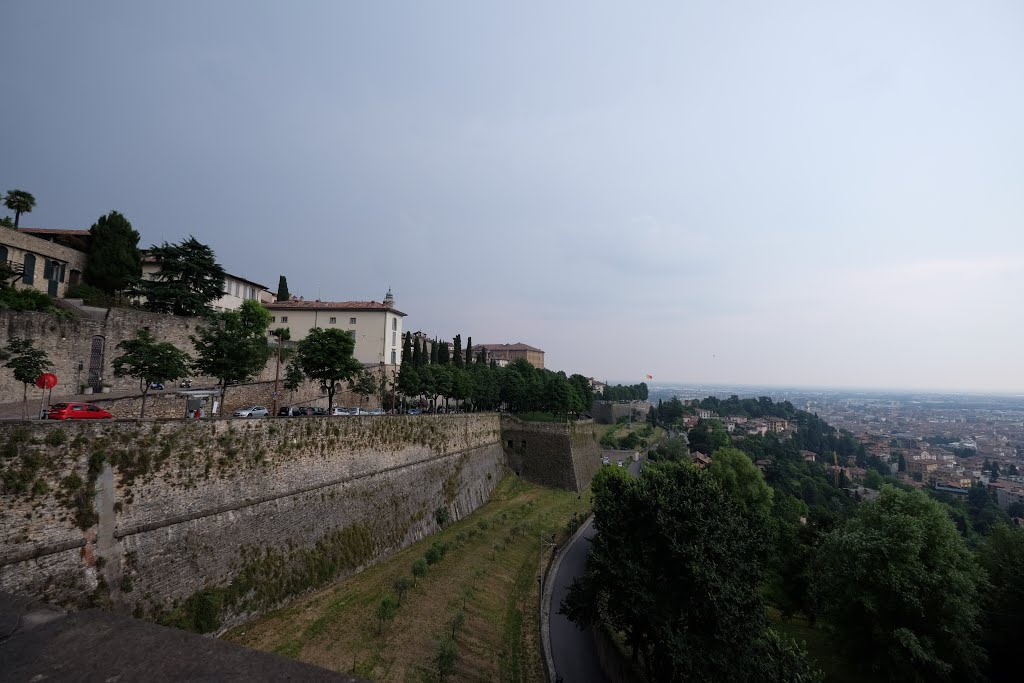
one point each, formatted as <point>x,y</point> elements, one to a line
<point>789,194</point>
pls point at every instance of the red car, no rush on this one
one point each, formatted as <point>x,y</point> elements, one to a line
<point>76,411</point>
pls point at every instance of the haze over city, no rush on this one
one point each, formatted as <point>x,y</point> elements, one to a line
<point>784,193</point>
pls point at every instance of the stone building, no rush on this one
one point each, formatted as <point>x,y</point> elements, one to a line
<point>506,353</point>
<point>42,260</point>
<point>376,325</point>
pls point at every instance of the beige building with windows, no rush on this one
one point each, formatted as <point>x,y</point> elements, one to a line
<point>236,289</point>
<point>41,259</point>
<point>503,354</point>
<point>376,325</point>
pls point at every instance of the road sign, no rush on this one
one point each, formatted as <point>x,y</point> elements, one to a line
<point>47,380</point>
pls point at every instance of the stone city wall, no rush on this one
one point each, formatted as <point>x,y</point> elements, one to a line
<point>202,523</point>
<point>556,454</point>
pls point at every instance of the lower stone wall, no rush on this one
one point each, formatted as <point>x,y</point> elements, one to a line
<point>203,523</point>
<point>556,454</point>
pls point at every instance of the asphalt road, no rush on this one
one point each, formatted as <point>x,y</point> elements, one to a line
<point>572,649</point>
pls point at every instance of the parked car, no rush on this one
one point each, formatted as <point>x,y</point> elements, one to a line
<point>77,411</point>
<point>413,411</point>
<point>338,410</point>
<point>185,383</point>
<point>251,411</point>
<point>309,410</point>
<point>159,386</point>
<point>375,411</point>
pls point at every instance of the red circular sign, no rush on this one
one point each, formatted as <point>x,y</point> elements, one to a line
<point>47,380</point>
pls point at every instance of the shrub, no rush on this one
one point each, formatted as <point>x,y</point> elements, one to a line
<point>419,569</point>
<point>441,515</point>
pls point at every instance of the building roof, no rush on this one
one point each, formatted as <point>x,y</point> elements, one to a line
<point>518,346</point>
<point>300,305</point>
<point>55,231</point>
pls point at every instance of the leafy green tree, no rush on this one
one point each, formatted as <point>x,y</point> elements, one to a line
<point>409,380</point>
<point>1001,555</point>
<point>115,263</point>
<point>902,591</point>
<point>458,621</point>
<point>402,585</point>
<point>149,360</point>
<point>365,385</point>
<point>19,202</point>
<point>387,609</point>
<point>446,658</point>
<point>419,569</point>
<point>326,356</point>
<point>707,436</point>
<point>282,289</point>
<point>28,363</point>
<point>189,279</point>
<point>293,377</point>
<point>233,346</point>
<point>673,567</point>
<point>741,479</point>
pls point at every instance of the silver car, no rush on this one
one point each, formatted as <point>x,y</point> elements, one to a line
<point>251,411</point>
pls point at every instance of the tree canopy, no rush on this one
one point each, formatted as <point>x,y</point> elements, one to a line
<point>189,279</point>
<point>902,591</point>
<point>738,476</point>
<point>115,263</point>
<point>27,362</point>
<point>150,361</point>
<point>326,356</point>
<point>282,289</point>
<point>671,567</point>
<point>19,201</point>
<point>233,346</point>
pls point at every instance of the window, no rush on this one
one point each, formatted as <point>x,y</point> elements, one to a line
<point>30,269</point>
<point>394,337</point>
<point>394,323</point>
<point>273,318</point>
<point>394,357</point>
<point>237,289</point>
<point>227,286</point>
<point>284,318</point>
<point>3,253</point>
<point>334,321</point>
<point>351,321</point>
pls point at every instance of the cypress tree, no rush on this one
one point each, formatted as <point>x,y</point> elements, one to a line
<point>282,289</point>
<point>417,353</point>
<point>434,351</point>
<point>457,351</point>
<point>407,348</point>
<point>483,355</point>
<point>469,350</point>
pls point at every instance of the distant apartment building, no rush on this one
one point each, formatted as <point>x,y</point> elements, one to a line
<point>236,290</point>
<point>375,325</point>
<point>47,260</point>
<point>504,354</point>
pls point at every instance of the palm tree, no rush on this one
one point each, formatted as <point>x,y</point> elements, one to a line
<point>19,202</point>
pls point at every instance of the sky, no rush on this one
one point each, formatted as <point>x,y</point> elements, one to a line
<point>787,192</point>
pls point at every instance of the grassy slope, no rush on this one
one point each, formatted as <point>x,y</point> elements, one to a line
<point>490,569</point>
<point>816,642</point>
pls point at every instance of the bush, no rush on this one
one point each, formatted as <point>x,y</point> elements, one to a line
<point>24,300</point>
<point>441,515</point>
<point>433,555</point>
<point>419,569</point>
<point>90,296</point>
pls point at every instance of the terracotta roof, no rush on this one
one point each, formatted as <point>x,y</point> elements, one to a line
<point>55,231</point>
<point>518,346</point>
<point>294,305</point>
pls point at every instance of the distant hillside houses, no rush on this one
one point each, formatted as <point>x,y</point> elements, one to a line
<point>503,354</point>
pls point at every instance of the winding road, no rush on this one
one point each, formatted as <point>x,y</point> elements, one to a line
<point>573,650</point>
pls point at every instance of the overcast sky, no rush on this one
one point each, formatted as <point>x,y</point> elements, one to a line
<point>798,193</point>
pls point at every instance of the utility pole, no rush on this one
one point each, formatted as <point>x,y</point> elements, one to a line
<point>277,370</point>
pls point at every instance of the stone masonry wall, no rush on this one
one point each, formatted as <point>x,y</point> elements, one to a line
<point>179,520</point>
<point>553,454</point>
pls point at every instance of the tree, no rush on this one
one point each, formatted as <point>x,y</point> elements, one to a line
<point>282,289</point>
<point>326,356</point>
<point>115,263</point>
<point>150,361</point>
<point>407,349</point>
<point>457,351</point>
<point>674,521</point>
<point>446,658</point>
<point>469,351</point>
<point>741,479</point>
<point>365,385</point>
<point>233,347</point>
<point>402,585</point>
<point>419,569</point>
<point>28,363</point>
<point>293,377</point>
<point>903,592</point>
<point>19,202</point>
<point>1001,555</point>
<point>707,436</point>
<point>387,608</point>
<point>189,279</point>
